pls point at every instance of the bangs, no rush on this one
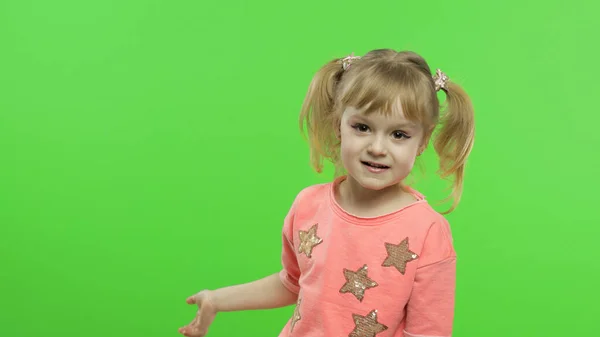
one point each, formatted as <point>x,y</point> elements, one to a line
<point>390,90</point>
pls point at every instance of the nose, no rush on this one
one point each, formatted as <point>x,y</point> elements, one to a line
<point>377,147</point>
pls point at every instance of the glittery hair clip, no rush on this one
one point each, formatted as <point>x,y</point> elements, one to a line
<point>347,61</point>
<point>441,81</point>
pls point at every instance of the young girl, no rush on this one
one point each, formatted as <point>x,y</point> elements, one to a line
<point>366,255</point>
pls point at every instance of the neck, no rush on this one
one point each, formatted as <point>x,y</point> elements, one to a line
<point>365,202</point>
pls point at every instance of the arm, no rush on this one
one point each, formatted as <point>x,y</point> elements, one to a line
<point>274,291</point>
<point>430,309</point>
<point>265,293</point>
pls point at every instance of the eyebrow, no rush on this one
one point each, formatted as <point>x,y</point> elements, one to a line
<point>406,124</point>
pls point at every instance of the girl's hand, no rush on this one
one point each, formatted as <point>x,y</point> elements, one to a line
<point>204,317</point>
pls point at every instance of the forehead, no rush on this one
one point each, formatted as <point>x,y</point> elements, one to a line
<point>395,116</point>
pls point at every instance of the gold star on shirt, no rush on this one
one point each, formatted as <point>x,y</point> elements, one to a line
<point>366,326</point>
<point>399,255</point>
<point>308,240</point>
<point>296,316</point>
<point>357,282</point>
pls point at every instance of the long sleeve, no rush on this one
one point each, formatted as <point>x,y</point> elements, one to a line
<point>291,272</point>
<point>430,309</point>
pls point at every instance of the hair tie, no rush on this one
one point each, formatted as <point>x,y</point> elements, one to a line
<point>347,61</point>
<point>441,81</point>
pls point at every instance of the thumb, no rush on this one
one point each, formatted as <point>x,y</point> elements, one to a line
<point>191,300</point>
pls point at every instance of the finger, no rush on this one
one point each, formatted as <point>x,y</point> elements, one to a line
<point>196,328</point>
<point>191,299</point>
<point>191,332</point>
<point>189,329</point>
<point>183,330</point>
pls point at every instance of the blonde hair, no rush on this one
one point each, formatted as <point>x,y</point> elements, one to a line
<point>376,82</point>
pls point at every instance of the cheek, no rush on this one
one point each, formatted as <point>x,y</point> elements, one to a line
<point>406,156</point>
<point>346,147</point>
<point>350,145</point>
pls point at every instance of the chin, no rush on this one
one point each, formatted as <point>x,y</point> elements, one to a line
<point>376,184</point>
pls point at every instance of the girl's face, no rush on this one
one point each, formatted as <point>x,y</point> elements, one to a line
<point>378,151</point>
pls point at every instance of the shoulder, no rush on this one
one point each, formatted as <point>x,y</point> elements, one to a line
<point>306,203</point>
<point>311,195</point>
<point>316,190</point>
<point>431,232</point>
<point>430,219</point>
<point>426,216</point>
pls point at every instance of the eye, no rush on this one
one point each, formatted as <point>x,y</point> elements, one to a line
<point>400,135</point>
<point>360,127</point>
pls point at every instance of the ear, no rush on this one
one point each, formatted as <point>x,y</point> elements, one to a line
<point>424,142</point>
<point>337,129</point>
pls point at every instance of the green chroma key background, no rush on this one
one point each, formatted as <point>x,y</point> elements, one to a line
<point>150,149</point>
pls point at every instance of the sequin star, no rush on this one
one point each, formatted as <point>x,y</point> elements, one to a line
<point>308,240</point>
<point>357,282</point>
<point>296,316</point>
<point>399,255</point>
<point>366,326</point>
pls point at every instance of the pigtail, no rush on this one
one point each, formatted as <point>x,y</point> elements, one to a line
<point>454,140</point>
<point>318,117</point>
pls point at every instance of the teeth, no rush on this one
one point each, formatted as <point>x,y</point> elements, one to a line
<point>376,166</point>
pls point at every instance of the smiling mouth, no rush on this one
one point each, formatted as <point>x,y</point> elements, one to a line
<point>374,165</point>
